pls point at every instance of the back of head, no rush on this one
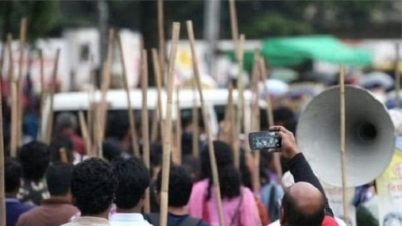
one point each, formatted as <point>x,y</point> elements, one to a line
<point>93,185</point>
<point>133,179</point>
<point>12,175</point>
<point>303,205</point>
<point>66,120</point>
<point>35,158</point>
<point>58,178</point>
<point>180,185</point>
<point>112,149</point>
<point>223,155</point>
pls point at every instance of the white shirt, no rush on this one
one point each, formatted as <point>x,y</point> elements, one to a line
<point>128,219</point>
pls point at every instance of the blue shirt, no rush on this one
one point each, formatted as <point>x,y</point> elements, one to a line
<point>174,220</point>
<point>14,209</point>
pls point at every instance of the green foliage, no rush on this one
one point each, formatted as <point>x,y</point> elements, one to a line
<point>41,15</point>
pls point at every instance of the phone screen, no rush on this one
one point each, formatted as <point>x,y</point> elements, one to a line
<point>264,140</point>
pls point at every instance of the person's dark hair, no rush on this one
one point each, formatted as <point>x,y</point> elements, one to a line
<point>118,125</point>
<point>12,175</point>
<point>35,158</point>
<point>296,217</point>
<point>245,171</point>
<point>93,184</point>
<point>180,186</point>
<point>193,165</point>
<point>112,149</point>
<point>133,179</point>
<point>283,114</point>
<point>229,176</point>
<point>58,178</point>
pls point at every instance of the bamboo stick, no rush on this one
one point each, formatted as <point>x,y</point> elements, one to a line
<point>91,112</point>
<point>2,187</point>
<point>397,79</point>
<point>23,31</point>
<point>270,115</point>
<point>63,155</point>
<point>10,56</point>
<point>168,128</point>
<point>233,23</point>
<point>105,87</point>
<point>195,119</point>
<point>84,133</point>
<point>133,132</point>
<point>155,122</point>
<point>161,35</point>
<point>14,96</point>
<point>240,100</point>
<point>158,79</point>
<point>178,127</point>
<point>214,168</point>
<point>42,94</point>
<point>342,141</point>
<point>255,116</point>
<point>49,127</point>
<point>145,121</point>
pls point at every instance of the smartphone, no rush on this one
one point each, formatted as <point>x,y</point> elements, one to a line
<point>264,140</point>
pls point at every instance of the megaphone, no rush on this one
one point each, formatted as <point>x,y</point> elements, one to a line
<point>369,136</point>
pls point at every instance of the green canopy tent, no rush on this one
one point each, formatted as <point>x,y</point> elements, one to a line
<point>294,50</point>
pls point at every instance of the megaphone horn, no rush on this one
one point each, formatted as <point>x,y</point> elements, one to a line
<point>370,136</point>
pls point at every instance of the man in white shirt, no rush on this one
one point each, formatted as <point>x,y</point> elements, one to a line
<point>133,179</point>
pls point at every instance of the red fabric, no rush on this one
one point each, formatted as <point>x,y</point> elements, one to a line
<point>329,221</point>
<point>78,144</point>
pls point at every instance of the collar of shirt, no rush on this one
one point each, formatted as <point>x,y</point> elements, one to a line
<point>127,217</point>
<point>12,199</point>
<point>91,221</point>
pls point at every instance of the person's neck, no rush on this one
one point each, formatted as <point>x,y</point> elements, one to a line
<point>63,197</point>
<point>136,209</point>
<point>104,215</point>
<point>178,210</point>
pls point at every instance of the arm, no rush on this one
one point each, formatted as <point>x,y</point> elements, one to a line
<point>301,171</point>
<point>298,165</point>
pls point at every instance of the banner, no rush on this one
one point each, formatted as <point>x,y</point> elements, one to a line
<point>335,200</point>
<point>389,186</point>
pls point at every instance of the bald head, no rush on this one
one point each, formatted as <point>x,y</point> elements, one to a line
<point>302,205</point>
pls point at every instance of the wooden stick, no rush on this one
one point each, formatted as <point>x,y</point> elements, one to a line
<point>195,127</point>
<point>63,155</point>
<point>23,31</point>
<point>42,94</point>
<point>133,132</point>
<point>145,121</point>
<point>178,127</point>
<point>161,35</point>
<point>2,187</point>
<point>84,133</point>
<point>233,24</point>
<point>10,56</point>
<point>91,112</point>
<point>270,115</point>
<point>240,98</point>
<point>158,79</point>
<point>397,79</point>
<point>342,141</point>
<point>168,128</point>
<point>105,87</point>
<point>155,123</point>
<point>49,127</point>
<point>212,158</point>
<point>255,116</point>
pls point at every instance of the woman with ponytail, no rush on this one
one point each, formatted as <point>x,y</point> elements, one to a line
<point>238,203</point>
